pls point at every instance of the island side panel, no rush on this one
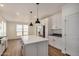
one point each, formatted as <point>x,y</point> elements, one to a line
<point>30,50</point>
<point>42,48</point>
<point>36,49</point>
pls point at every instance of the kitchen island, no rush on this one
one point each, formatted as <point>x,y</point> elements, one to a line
<point>34,46</point>
<point>3,44</point>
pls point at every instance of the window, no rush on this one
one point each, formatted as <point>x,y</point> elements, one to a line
<point>21,29</point>
<point>25,29</point>
<point>3,28</point>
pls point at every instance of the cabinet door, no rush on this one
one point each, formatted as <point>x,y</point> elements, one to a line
<point>54,21</point>
<point>54,41</point>
<point>50,20</point>
<point>42,48</point>
<point>59,20</point>
<point>30,50</point>
<point>51,40</point>
<point>58,42</point>
<point>72,34</point>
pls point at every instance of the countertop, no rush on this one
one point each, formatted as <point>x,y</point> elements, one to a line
<point>32,39</point>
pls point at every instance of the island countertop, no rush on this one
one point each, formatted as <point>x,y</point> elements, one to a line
<point>32,39</point>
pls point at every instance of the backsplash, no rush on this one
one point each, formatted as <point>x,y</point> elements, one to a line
<point>51,31</point>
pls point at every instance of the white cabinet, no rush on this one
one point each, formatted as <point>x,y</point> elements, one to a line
<point>59,21</point>
<point>30,50</point>
<point>36,49</point>
<point>3,45</point>
<point>58,42</point>
<point>55,21</point>
<point>55,42</point>
<point>42,48</point>
<point>49,22</point>
<point>51,41</point>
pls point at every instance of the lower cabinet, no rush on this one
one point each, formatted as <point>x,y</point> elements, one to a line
<point>42,48</point>
<point>36,49</point>
<point>3,45</point>
<point>51,41</point>
<point>30,50</point>
<point>56,42</point>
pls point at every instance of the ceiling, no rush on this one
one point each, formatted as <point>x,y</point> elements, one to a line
<point>21,11</point>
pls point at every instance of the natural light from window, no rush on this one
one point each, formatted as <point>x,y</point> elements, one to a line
<point>21,29</point>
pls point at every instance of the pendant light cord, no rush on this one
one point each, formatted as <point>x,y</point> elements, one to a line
<point>30,15</point>
<point>31,18</point>
<point>37,8</point>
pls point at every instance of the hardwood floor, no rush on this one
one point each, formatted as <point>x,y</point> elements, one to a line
<point>52,51</point>
<point>14,49</point>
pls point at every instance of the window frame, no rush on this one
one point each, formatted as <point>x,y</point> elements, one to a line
<point>22,30</point>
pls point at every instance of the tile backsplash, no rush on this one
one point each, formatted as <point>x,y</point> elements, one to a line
<point>51,31</point>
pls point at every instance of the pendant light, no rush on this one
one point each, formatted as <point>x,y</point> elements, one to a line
<point>37,21</point>
<point>31,24</point>
<point>31,18</point>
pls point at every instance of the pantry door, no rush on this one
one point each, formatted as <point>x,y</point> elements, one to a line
<point>72,34</point>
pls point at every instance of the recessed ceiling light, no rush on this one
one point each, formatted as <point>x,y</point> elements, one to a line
<point>34,16</point>
<point>1,5</point>
<point>17,13</point>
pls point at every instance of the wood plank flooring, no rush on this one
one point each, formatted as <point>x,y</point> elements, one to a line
<point>52,51</point>
<point>14,49</point>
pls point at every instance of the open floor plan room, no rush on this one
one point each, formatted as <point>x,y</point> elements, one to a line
<point>15,49</point>
<point>39,29</point>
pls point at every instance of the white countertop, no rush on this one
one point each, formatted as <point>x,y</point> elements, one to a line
<point>32,39</point>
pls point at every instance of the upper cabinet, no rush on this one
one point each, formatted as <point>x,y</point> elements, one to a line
<point>59,20</point>
<point>55,21</point>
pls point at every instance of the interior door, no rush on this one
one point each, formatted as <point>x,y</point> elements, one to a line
<point>72,34</point>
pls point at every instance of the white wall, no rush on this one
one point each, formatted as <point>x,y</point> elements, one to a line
<point>1,19</point>
<point>11,30</point>
<point>68,9</point>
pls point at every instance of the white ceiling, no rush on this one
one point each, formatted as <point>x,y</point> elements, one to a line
<point>9,10</point>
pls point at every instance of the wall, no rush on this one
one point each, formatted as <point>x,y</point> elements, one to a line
<point>68,9</point>
<point>11,30</point>
<point>1,18</point>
